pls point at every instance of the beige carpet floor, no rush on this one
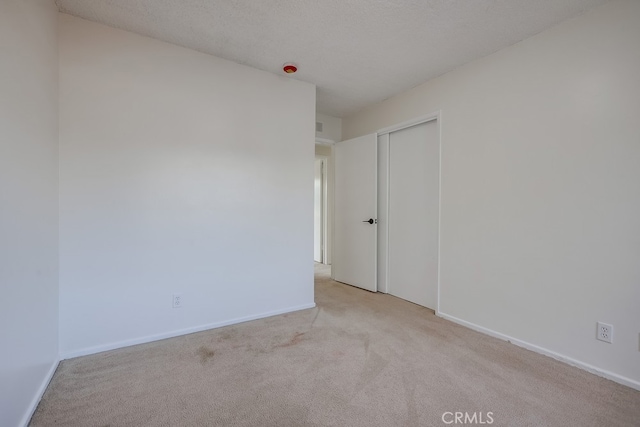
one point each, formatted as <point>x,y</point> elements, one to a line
<point>358,359</point>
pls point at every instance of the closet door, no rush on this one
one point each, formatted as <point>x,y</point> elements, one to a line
<point>413,211</point>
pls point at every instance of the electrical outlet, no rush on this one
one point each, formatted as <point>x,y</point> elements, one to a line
<point>177,300</point>
<point>605,332</point>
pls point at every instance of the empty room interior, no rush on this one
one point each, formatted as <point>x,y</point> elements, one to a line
<point>320,213</point>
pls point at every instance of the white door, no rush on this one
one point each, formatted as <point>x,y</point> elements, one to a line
<point>355,191</point>
<point>318,232</point>
<point>414,162</point>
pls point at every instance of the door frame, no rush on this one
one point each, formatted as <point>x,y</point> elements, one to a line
<point>384,227</point>
<point>324,210</point>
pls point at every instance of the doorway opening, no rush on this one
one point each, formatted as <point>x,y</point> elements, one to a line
<point>318,212</point>
<point>321,209</point>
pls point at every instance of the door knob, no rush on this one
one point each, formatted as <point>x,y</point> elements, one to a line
<point>371,221</point>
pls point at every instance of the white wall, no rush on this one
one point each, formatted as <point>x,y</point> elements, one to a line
<point>331,128</point>
<point>179,172</point>
<point>323,150</point>
<point>541,187</point>
<point>28,204</point>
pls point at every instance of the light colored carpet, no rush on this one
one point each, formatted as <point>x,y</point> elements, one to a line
<point>358,359</point>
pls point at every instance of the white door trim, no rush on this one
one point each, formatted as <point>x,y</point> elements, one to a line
<point>325,206</point>
<point>324,141</point>
<point>383,213</point>
<point>409,123</point>
<point>437,115</point>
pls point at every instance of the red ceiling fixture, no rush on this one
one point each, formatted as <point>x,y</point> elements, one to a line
<point>289,68</point>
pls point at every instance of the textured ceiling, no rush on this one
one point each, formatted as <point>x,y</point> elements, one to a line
<point>357,52</point>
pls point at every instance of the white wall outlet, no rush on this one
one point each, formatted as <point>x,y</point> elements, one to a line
<point>177,300</point>
<point>605,332</point>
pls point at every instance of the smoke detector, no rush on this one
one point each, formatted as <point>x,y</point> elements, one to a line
<point>289,68</point>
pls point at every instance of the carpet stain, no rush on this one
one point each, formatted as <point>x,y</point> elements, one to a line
<point>205,354</point>
<point>373,367</point>
<point>315,317</point>
<point>226,336</point>
<point>293,341</point>
<point>366,343</point>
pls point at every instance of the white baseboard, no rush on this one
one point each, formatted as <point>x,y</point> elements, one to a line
<point>36,398</point>
<point>171,334</point>
<point>565,359</point>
